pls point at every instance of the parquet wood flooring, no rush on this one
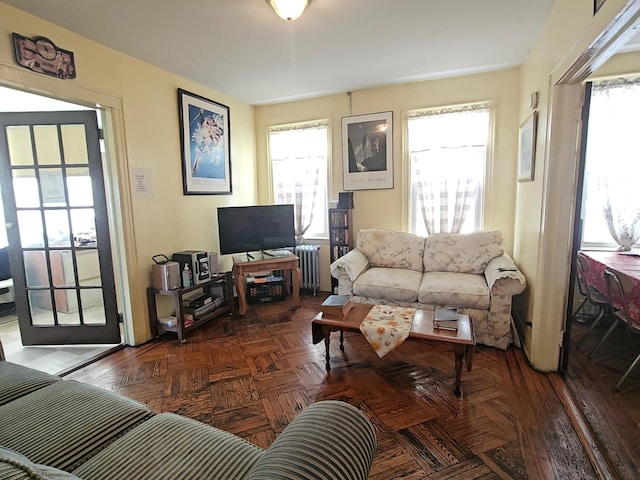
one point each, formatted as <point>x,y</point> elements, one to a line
<point>614,417</point>
<point>252,375</point>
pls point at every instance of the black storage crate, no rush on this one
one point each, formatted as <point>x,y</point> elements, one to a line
<point>272,290</point>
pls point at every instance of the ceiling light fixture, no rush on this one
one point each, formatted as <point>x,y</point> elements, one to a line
<point>289,9</point>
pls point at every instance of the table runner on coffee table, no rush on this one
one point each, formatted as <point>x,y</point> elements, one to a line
<point>387,326</point>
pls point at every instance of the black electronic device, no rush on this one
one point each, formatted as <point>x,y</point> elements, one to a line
<point>197,301</point>
<point>255,228</point>
<point>198,263</point>
<point>345,200</point>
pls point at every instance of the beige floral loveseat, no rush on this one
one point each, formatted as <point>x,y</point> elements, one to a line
<point>468,271</point>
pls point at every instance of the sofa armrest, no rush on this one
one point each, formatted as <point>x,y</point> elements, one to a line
<point>504,280</point>
<point>503,267</point>
<point>347,268</point>
<point>328,440</point>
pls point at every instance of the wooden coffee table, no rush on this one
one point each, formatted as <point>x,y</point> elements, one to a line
<point>463,340</point>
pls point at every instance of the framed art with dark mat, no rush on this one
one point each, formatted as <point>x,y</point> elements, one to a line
<point>205,145</point>
<point>367,151</point>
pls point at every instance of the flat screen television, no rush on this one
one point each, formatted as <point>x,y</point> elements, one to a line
<point>255,228</point>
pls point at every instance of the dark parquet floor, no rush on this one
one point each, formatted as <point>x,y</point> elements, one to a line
<point>613,416</point>
<point>251,375</point>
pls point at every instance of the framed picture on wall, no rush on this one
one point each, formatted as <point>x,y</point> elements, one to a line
<point>367,151</point>
<point>527,148</point>
<point>205,145</point>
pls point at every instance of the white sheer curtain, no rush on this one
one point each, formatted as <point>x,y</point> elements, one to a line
<point>299,164</point>
<point>613,157</point>
<point>448,151</point>
<point>621,210</point>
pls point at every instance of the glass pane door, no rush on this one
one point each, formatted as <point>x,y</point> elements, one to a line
<point>57,227</point>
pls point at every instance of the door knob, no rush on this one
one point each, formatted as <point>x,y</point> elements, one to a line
<point>9,225</point>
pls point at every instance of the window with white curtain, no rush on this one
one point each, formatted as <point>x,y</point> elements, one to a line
<point>448,156</point>
<point>611,203</point>
<point>299,158</point>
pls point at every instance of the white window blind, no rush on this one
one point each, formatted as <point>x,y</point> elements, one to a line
<point>447,155</point>
<point>299,157</point>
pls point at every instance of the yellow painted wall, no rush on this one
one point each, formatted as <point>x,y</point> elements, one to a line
<point>388,208</point>
<point>147,137</point>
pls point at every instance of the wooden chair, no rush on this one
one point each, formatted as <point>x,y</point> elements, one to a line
<point>593,295</point>
<point>621,289</point>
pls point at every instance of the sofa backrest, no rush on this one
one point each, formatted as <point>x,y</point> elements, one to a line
<point>461,253</point>
<point>386,248</point>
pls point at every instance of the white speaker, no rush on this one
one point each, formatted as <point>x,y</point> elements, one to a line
<point>213,262</point>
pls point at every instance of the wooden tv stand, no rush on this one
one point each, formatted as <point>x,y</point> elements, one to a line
<point>243,264</point>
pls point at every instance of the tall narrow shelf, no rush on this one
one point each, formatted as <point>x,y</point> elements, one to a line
<point>227,307</point>
<point>340,235</point>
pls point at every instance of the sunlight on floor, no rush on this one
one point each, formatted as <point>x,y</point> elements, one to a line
<point>51,359</point>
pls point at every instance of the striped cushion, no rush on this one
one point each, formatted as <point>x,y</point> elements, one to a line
<point>170,447</point>
<point>14,466</point>
<point>64,424</point>
<point>328,440</point>
<point>16,381</point>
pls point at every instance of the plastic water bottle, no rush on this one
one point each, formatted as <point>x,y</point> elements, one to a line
<point>186,276</point>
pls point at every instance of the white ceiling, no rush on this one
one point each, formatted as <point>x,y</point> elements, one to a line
<point>241,48</point>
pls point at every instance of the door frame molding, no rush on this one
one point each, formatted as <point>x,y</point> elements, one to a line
<point>119,198</point>
<point>609,30</point>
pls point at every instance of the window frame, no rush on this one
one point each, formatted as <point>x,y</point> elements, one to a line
<point>586,178</point>
<point>325,123</point>
<point>412,209</point>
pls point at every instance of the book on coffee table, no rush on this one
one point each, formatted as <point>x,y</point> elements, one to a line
<point>336,305</point>
<point>446,318</point>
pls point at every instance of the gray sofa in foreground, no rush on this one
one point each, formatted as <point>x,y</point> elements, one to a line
<point>59,430</point>
<point>468,271</point>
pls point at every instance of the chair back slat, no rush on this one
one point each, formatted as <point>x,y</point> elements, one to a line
<point>582,269</point>
<point>621,291</point>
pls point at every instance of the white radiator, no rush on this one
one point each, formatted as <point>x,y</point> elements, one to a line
<point>309,256</point>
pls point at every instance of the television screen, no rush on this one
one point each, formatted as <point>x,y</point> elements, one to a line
<point>260,227</point>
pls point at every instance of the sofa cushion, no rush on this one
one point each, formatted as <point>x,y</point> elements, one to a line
<point>64,424</point>
<point>169,446</point>
<point>454,290</point>
<point>462,253</point>
<point>385,248</point>
<point>18,467</point>
<point>17,380</point>
<point>392,284</point>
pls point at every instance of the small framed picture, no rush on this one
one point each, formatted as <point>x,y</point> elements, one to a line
<point>527,148</point>
<point>367,151</point>
<point>205,145</point>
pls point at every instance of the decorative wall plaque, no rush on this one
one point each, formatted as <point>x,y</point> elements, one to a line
<point>41,55</point>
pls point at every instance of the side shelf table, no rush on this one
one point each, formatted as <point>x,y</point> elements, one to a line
<point>243,264</point>
<point>227,308</point>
